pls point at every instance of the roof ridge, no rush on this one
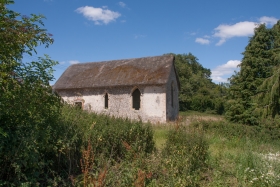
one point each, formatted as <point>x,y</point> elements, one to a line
<point>124,59</point>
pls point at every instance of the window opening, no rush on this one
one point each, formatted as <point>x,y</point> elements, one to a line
<point>79,105</point>
<point>136,99</point>
<point>106,101</point>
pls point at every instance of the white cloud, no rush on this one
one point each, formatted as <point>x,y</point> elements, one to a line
<point>268,20</point>
<point>122,4</point>
<point>222,72</point>
<point>74,62</point>
<point>202,41</point>
<point>98,15</point>
<point>62,62</point>
<point>240,29</point>
<point>219,79</point>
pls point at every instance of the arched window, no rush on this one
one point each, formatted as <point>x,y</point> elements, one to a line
<point>106,101</point>
<point>136,99</point>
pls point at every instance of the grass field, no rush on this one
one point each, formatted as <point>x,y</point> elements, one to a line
<point>238,155</point>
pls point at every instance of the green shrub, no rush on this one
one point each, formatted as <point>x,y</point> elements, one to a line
<point>184,155</point>
<point>180,163</point>
<point>48,151</point>
<point>107,143</point>
<point>42,149</point>
<point>115,137</point>
<point>271,128</point>
<point>33,147</point>
<point>109,136</point>
<point>264,133</point>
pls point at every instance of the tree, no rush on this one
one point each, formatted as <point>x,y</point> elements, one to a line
<point>256,69</point>
<point>268,93</point>
<point>198,92</point>
<point>31,127</point>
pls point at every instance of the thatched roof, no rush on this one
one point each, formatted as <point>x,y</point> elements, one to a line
<point>128,72</point>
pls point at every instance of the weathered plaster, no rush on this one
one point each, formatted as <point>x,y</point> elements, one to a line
<point>152,107</point>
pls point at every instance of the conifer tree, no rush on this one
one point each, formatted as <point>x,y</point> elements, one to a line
<point>258,64</point>
<point>268,96</point>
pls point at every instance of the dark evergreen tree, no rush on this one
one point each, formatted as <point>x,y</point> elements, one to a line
<point>257,67</point>
<point>268,96</point>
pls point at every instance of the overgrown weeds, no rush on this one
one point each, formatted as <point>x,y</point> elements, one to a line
<point>49,152</point>
<point>184,156</point>
<point>239,154</point>
<point>130,159</point>
<point>98,150</point>
<point>108,143</point>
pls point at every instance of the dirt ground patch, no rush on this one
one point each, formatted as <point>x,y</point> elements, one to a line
<point>197,118</point>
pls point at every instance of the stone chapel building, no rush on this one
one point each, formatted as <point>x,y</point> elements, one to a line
<point>140,88</point>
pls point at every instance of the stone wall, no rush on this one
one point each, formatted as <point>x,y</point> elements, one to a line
<point>152,106</point>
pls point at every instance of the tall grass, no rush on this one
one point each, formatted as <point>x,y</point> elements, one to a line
<point>239,154</point>
<point>198,150</point>
<point>123,154</point>
<point>106,143</point>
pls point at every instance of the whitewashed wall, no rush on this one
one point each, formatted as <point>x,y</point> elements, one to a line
<point>152,108</point>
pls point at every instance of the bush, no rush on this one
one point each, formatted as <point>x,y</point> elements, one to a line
<point>180,163</point>
<point>184,155</point>
<point>48,151</point>
<point>32,134</point>
<point>115,137</point>
<point>42,149</point>
<point>269,131</point>
<point>271,128</point>
<point>107,143</point>
<point>109,136</point>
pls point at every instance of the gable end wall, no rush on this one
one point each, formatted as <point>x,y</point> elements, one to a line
<point>172,112</point>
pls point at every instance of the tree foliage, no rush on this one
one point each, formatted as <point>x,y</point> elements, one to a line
<point>30,137</point>
<point>198,92</point>
<point>254,91</point>
<point>20,35</point>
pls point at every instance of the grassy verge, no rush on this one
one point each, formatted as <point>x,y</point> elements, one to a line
<point>238,155</point>
<point>241,156</point>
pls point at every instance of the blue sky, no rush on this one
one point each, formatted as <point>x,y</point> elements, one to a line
<point>216,31</point>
